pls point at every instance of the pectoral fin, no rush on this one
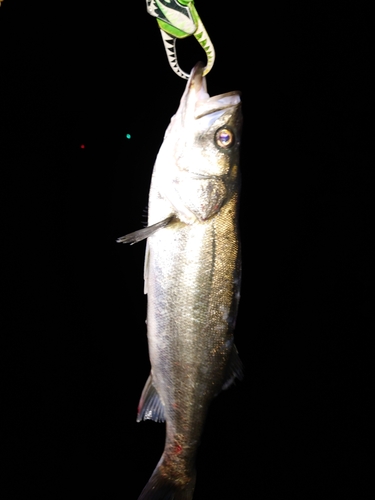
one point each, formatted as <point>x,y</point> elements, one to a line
<point>150,405</point>
<point>144,233</point>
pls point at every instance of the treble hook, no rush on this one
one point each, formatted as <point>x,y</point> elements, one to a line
<point>180,19</point>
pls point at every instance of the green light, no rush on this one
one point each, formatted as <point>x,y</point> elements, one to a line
<point>128,136</point>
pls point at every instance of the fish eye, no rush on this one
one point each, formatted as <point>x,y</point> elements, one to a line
<point>224,137</point>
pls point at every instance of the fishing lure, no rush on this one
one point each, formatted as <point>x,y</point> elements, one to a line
<point>179,19</point>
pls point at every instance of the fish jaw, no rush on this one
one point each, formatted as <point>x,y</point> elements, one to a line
<point>196,102</point>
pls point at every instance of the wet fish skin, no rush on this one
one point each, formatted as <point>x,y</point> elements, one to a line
<point>192,278</point>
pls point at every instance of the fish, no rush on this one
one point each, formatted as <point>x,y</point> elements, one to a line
<point>192,276</point>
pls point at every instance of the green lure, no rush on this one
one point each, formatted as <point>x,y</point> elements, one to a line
<point>180,19</point>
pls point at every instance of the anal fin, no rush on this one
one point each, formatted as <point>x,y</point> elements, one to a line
<point>150,405</point>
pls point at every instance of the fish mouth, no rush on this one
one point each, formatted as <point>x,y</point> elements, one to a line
<point>204,104</point>
<point>197,80</point>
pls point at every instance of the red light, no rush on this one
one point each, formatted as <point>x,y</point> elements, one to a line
<point>82,146</point>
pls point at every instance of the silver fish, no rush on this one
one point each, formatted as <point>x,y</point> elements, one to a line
<point>192,277</point>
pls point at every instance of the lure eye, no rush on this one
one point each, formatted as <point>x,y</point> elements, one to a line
<point>224,138</point>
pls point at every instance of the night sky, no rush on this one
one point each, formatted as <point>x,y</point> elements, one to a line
<point>76,360</point>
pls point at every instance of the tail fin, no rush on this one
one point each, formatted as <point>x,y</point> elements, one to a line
<point>162,487</point>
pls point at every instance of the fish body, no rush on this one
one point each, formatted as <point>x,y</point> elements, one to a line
<point>192,277</point>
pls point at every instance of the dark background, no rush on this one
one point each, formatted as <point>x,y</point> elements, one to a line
<point>75,349</point>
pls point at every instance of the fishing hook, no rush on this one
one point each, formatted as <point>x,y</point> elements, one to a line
<point>180,19</point>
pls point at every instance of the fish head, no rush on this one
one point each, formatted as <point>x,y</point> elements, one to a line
<point>206,130</point>
<point>197,168</point>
